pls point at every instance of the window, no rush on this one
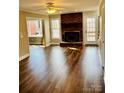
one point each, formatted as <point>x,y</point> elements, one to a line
<point>55,28</point>
<point>91,31</point>
<point>34,28</point>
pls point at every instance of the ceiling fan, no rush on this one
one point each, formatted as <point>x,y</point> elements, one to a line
<point>51,8</point>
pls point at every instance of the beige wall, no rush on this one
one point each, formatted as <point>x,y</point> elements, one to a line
<point>23,39</point>
<point>23,35</point>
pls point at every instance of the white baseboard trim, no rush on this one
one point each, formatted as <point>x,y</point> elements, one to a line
<point>23,57</point>
<point>47,45</point>
<point>55,43</point>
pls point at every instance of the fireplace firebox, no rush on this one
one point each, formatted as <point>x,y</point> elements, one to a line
<point>72,36</point>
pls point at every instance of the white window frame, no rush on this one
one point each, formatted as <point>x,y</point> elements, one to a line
<point>40,28</point>
<point>59,28</point>
<point>91,29</point>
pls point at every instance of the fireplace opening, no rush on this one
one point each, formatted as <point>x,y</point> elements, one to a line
<point>72,36</point>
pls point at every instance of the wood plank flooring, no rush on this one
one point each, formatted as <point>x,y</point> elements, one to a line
<point>61,70</point>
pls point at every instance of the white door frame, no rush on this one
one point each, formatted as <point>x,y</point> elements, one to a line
<point>96,31</point>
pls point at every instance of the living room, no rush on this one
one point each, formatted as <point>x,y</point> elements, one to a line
<point>62,49</point>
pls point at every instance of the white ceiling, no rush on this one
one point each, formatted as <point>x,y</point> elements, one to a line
<point>39,6</point>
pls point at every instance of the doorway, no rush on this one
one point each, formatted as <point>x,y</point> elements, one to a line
<point>91,31</point>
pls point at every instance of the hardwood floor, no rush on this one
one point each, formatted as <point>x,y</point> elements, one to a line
<point>61,70</point>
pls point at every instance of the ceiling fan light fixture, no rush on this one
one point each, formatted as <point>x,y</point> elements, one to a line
<point>51,10</point>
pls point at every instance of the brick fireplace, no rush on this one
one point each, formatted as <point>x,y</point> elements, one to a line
<point>72,28</point>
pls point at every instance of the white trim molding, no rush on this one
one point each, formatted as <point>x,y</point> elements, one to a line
<point>102,62</point>
<point>47,45</point>
<point>23,57</point>
<point>100,58</point>
<point>54,43</point>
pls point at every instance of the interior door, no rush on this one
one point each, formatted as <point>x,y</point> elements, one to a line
<point>91,33</point>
